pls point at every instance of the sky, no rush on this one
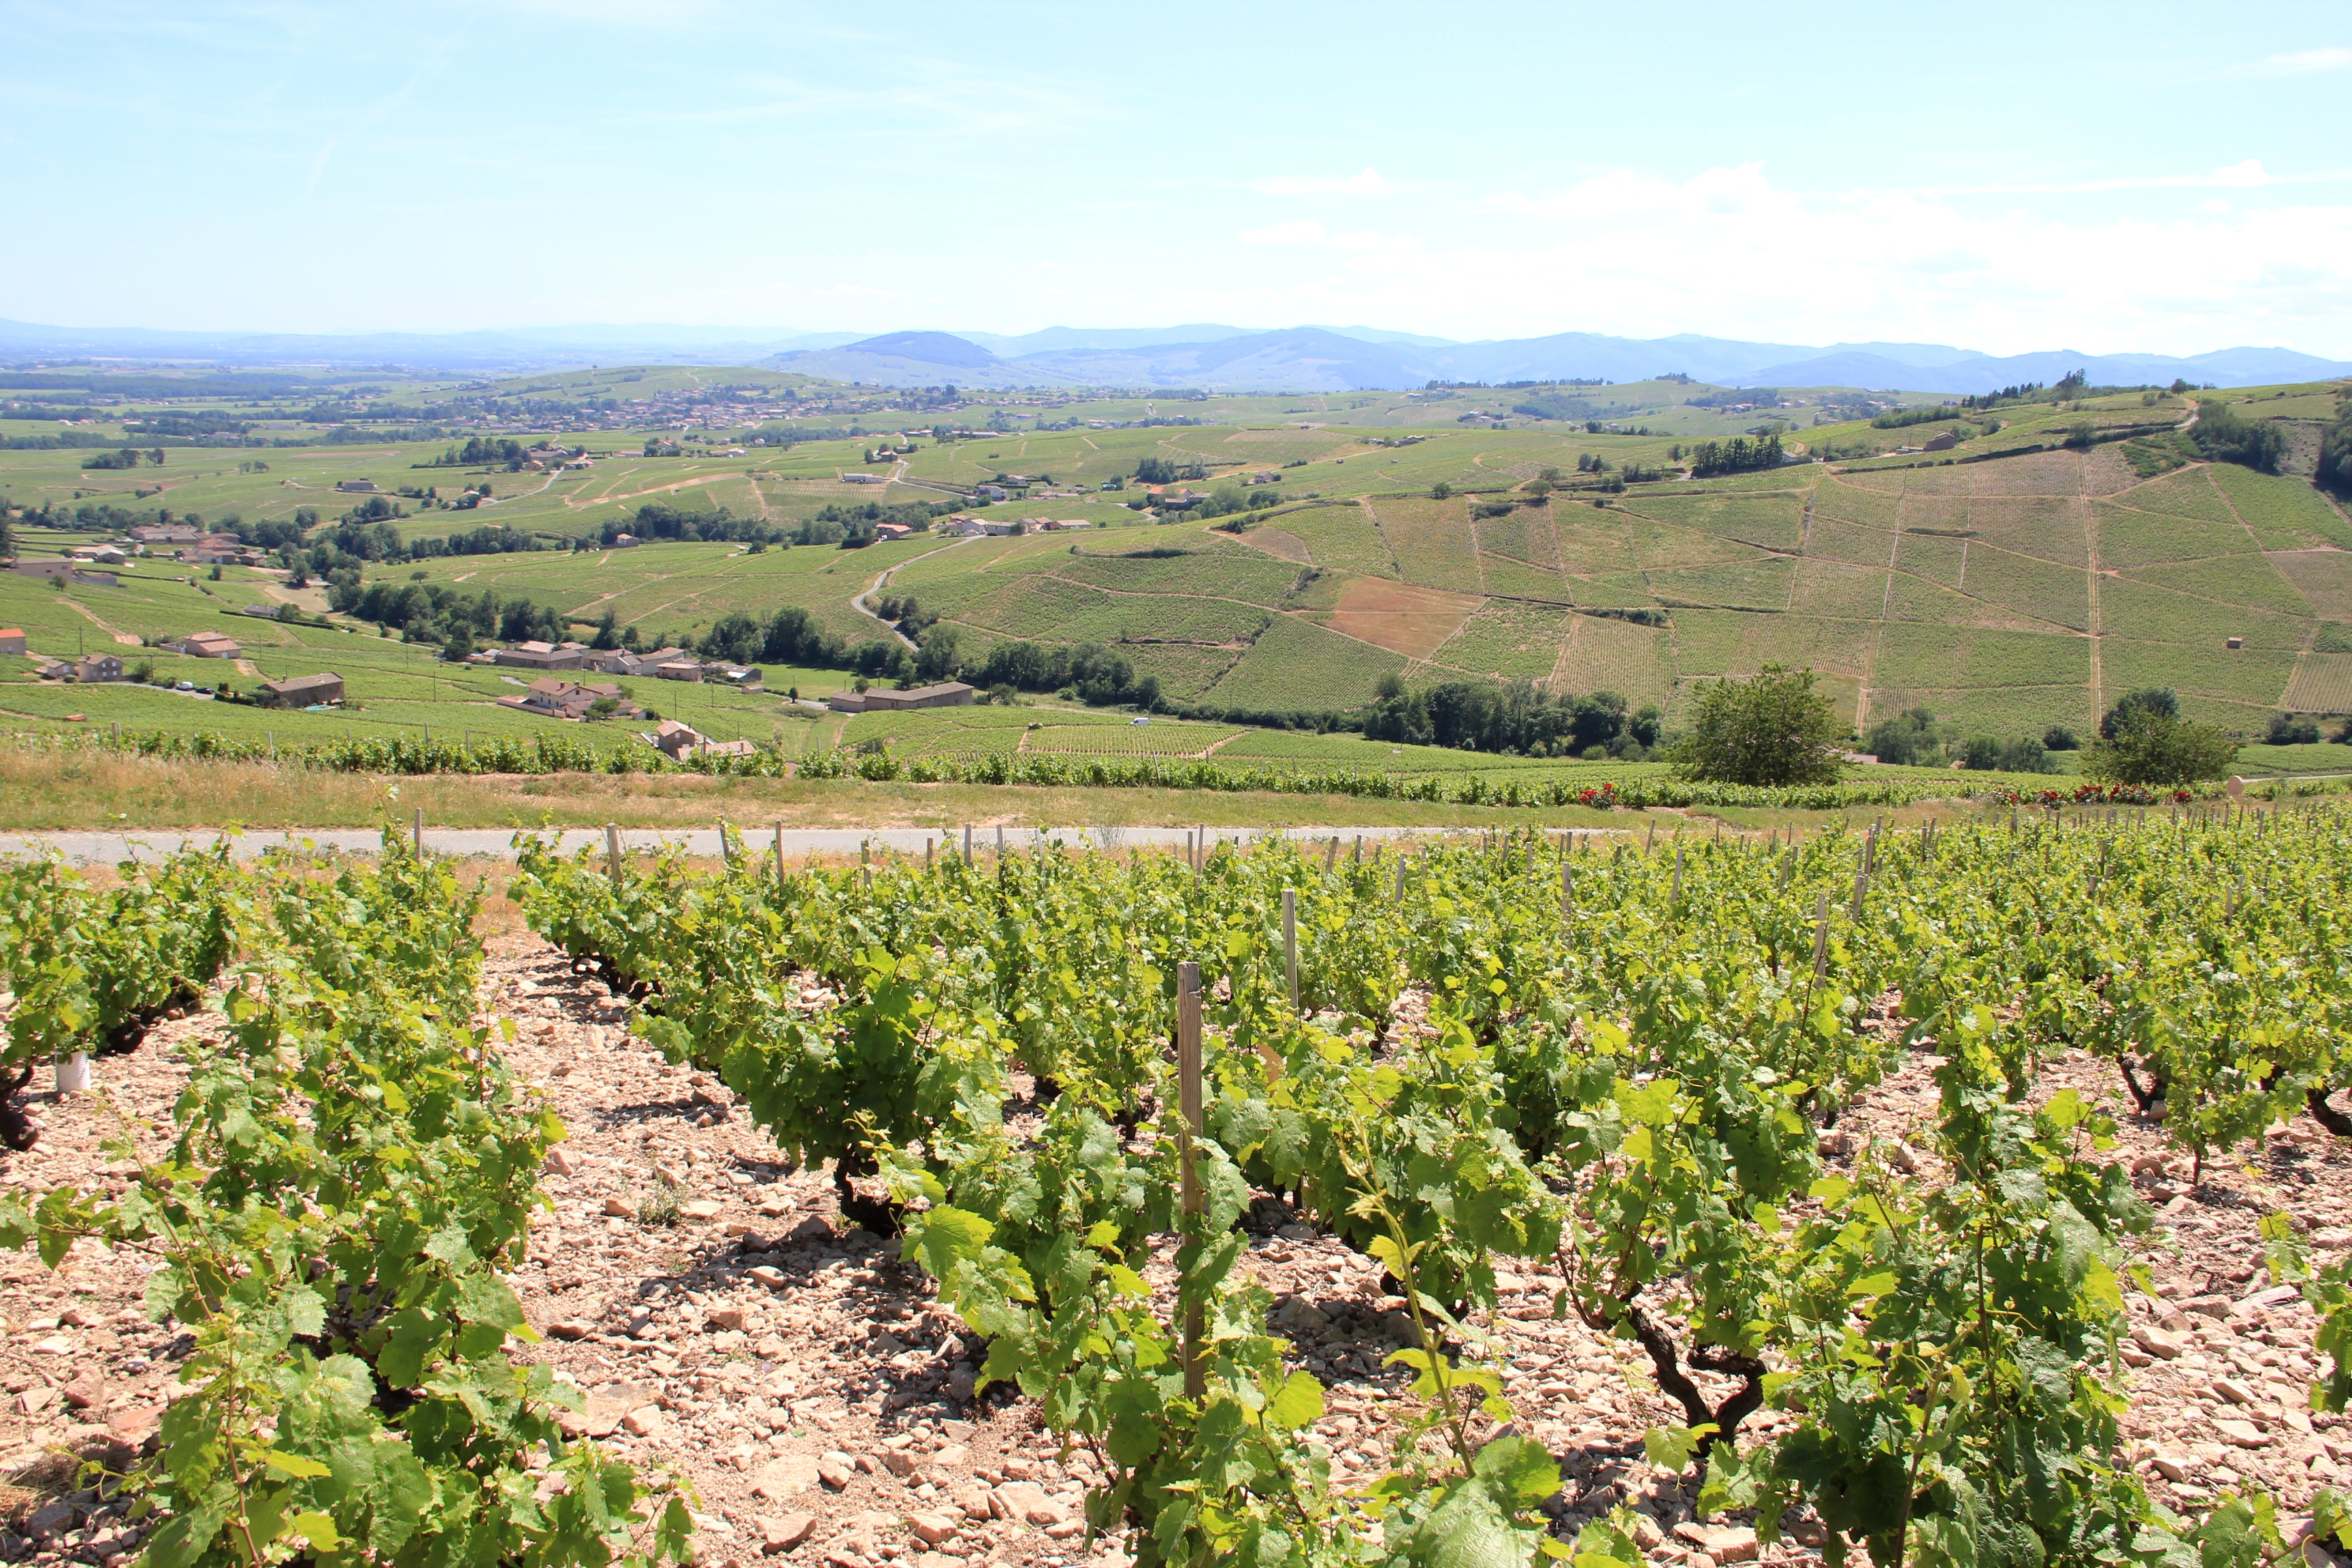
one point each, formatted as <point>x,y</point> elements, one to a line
<point>2149,177</point>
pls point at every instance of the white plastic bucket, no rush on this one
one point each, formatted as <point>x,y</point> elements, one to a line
<point>73,1073</point>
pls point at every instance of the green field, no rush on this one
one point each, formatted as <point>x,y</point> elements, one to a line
<point>2006,593</point>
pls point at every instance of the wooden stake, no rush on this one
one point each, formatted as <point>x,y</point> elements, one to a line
<point>1567,892</point>
<point>1676,897</point>
<point>1189,1105</point>
<point>1822,938</point>
<point>1331,852</point>
<point>927,854</point>
<point>1290,941</point>
<point>967,843</point>
<point>420,833</point>
<point>1400,887</point>
<point>613,852</point>
<point>780,853</point>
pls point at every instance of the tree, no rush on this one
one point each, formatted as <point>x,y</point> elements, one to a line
<point>1155,470</point>
<point>1777,727</point>
<point>608,636</point>
<point>935,656</point>
<point>459,647</point>
<point>2026,755</point>
<point>2058,738</point>
<point>2334,471</point>
<point>1440,490</point>
<point>1907,739</point>
<point>2157,700</point>
<point>2223,438</point>
<point>2150,747</point>
<point>2292,730</point>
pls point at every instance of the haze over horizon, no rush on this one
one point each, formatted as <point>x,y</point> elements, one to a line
<point>2134,182</point>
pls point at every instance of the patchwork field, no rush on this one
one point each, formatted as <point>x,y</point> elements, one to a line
<point>2006,593</point>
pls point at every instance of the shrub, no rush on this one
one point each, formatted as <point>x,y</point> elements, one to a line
<point>1777,727</point>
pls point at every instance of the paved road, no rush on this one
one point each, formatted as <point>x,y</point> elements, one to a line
<point>497,842</point>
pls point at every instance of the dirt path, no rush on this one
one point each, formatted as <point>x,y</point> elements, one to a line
<point>125,639</point>
<point>883,581</point>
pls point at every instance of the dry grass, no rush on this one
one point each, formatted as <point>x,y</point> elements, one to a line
<point>60,792</point>
<point>1413,621</point>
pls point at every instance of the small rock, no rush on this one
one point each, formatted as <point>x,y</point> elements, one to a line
<point>2157,1342</point>
<point>974,1500</point>
<point>1723,1542</point>
<point>1065,1529</point>
<point>897,1461</point>
<point>931,1529</point>
<point>619,1208</point>
<point>2231,1389</point>
<point>782,1477</point>
<point>700,1210</point>
<point>1026,1503</point>
<point>953,1455</point>
<point>1646,1533</point>
<point>87,1388</point>
<point>2172,1467</point>
<point>784,1535</point>
<point>572,1328</point>
<point>669,1174</point>
<point>769,1275</point>
<point>837,1478</point>
<point>2241,1434</point>
<point>648,1422</point>
<point>729,1317</point>
<point>134,1424</point>
<point>2214,1307</point>
<point>558,1162</point>
<point>810,1229</point>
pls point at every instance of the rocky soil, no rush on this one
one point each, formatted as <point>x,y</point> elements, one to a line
<point>721,1321</point>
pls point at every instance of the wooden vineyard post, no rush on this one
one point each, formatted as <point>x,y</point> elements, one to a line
<point>1822,938</point>
<point>1400,887</point>
<point>1567,892</point>
<point>419,838</point>
<point>1358,856</point>
<point>1192,857</point>
<point>926,853</point>
<point>613,852</point>
<point>1331,854</point>
<point>1000,844</point>
<point>1675,897</point>
<point>1188,1097</point>
<point>1290,941</point>
<point>1652,842</point>
<point>967,843</point>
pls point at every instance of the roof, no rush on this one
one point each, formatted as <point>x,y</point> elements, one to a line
<point>303,683</point>
<point>12,631</point>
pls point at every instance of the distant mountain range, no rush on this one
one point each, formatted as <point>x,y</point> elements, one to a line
<point>1205,355</point>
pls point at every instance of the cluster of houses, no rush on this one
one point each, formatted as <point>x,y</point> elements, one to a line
<point>573,700</point>
<point>964,525</point>
<point>663,663</point>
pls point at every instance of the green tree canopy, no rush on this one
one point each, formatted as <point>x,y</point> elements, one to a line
<point>2148,746</point>
<point>1777,727</point>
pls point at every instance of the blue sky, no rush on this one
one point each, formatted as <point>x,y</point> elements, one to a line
<point>2109,178</point>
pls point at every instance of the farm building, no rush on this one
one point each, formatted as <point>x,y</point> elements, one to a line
<point>95,667</point>
<point>359,487</point>
<point>300,692</point>
<point>570,699</point>
<point>12,639</point>
<point>946,694</point>
<point>206,645</point>
<point>544,656</point>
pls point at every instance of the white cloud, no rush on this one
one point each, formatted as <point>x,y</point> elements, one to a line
<point>1728,252</point>
<point>2302,62</point>
<point>1367,184</point>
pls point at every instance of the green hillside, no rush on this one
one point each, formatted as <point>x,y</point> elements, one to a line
<point>2055,556</point>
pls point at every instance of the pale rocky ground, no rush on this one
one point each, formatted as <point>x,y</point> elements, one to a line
<point>820,1405</point>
